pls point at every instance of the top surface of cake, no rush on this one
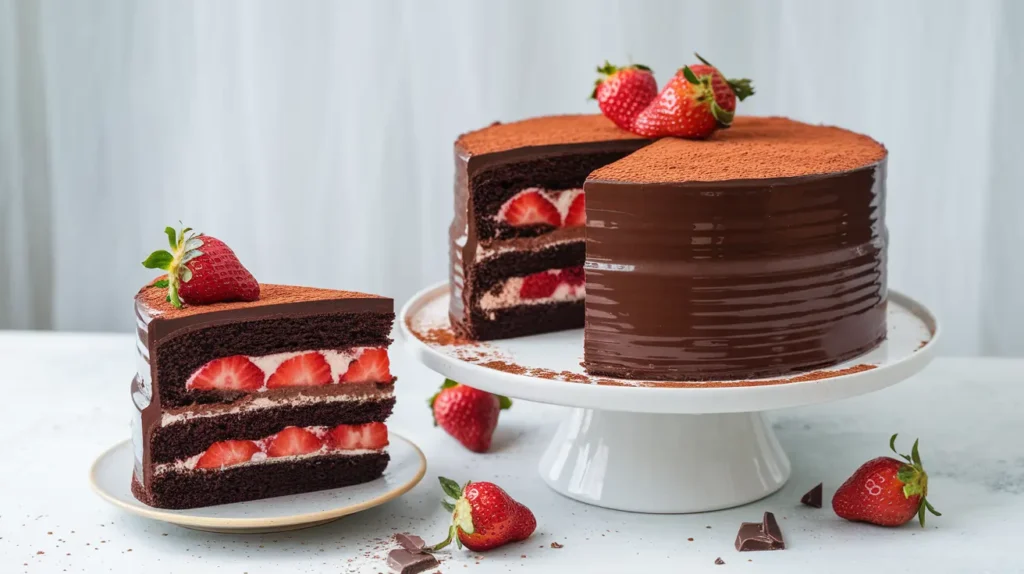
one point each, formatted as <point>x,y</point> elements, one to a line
<point>155,298</point>
<point>542,131</point>
<point>753,148</point>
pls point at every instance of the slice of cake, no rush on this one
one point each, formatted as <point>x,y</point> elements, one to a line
<point>250,399</point>
<point>517,239</point>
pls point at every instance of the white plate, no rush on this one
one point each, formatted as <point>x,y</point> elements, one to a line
<point>111,479</point>
<point>913,332</point>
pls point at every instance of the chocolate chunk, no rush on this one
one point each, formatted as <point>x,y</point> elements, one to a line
<point>410,542</point>
<point>813,498</point>
<point>556,545</point>
<point>719,561</point>
<point>764,535</point>
<point>404,562</point>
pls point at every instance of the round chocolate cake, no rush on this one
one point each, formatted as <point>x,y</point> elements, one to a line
<point>757,252</point>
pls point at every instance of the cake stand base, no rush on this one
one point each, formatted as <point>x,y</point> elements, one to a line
<point>664,463</point>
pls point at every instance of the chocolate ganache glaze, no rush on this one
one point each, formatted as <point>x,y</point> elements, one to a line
<point>759,252</point>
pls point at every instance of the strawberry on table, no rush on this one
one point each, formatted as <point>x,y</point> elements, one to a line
<point>293,441</point>
<point>305,370</point>
<point>372,366</point>
<point>693,104</point>
<point>201,270</point>
<point>622,93</point>
<point>467,414</point>
<point>234,373</point>
<point>886,491</point>
<point>227,453</point>
<point>484,516</point>
<point>530,208</point>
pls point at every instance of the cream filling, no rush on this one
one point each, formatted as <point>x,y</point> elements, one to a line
<point>261,403</point>
<point>508,296</point>
<point>338,361</point>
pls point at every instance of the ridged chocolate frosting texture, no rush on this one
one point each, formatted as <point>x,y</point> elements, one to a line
<point>734,279</point>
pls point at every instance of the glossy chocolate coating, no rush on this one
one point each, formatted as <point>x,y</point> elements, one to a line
<point>734,279</point>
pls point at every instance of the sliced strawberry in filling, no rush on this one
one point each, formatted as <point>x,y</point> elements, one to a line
<point>539,285</point>
<point>235,373</point>
<point>530,208</point>
<point>293,441</point>
<point>305,370</point>
<point>372,366</point>
<point>369,436</point>
<point>572,275</point>
<point>577,214</point>
<point>227,453</point>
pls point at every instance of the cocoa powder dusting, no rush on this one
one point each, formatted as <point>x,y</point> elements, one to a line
<point>541,131</point>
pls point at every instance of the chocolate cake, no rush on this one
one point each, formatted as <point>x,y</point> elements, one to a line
<point>757,252</point>
<point>245,400</point>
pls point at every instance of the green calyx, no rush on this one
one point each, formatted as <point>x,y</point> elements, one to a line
<point>462,512</point>
<point>914,479</point>
<point>705,92</point>
<point>184,246</point>
<point>503,401</point>
<point>608,70</point>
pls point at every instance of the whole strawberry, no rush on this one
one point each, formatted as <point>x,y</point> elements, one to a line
<point>622,93</point>
<point>484,516</point>
<point>693,104</point>
<point>468,414</point>
<point>201,270</point>
<point>886,491</point>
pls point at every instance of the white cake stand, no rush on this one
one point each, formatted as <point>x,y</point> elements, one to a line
<point>659,449</point>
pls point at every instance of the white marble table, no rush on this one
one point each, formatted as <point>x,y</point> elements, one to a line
<point>65,399</point>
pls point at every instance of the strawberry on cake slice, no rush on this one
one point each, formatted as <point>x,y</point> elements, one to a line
<point>247,390</point>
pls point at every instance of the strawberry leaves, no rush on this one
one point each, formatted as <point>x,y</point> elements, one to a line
<point>914,478</point>
<point>462,512</point>
<point>743,88</point>
<point>184,248</point>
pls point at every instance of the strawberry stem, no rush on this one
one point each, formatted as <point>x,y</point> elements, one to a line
<point>914,478</point>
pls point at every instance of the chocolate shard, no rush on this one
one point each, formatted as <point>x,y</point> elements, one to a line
<point>404,562</point>
<point>813,497</point>
<point>410,542</point>
<point>719,561</point>
<point>764,535</point>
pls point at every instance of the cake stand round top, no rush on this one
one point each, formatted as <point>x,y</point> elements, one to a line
<point>546,368</point>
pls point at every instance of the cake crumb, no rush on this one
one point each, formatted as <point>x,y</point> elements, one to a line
<point>556,545</point>
<point>690,539</point>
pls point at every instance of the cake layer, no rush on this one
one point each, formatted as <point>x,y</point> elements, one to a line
<point>180,355</point>
<point>195,488</point>
<point>713,280</point>
<point>183,438</point>
<point>524,320</point>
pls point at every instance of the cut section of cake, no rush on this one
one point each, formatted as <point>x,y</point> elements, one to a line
<point>247,391</point>
<point>245,400</point>
<point>517,239</point>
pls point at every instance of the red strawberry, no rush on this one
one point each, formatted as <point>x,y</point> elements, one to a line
<point>370,436</point>
<point>227,453</point>
<point>293,441</point>
<point>305,370</point>
<point>886,491</point>
<point>484,516</point>
<point>372,366</point>
<point>530,208</point>
<point>693,104</point>
<point>577,214</point>
<point>622,93</point>
<point>201,270</point>
<point>572,275</point>
<point>234,373</point>
<point>539,285</point>
<point>468,414</point>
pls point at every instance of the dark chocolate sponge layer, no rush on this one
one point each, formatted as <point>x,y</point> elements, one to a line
<point>178,356</point>
<point>523,320</point>
<point>187,438</point>
<point>493,272</point>
<point>195,488</point>
<point>494,186</point>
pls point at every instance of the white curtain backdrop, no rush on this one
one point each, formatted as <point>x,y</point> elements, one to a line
<point>316,137</point>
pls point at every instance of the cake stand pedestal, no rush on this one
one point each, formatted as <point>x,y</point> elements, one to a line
<point>640,447</point>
